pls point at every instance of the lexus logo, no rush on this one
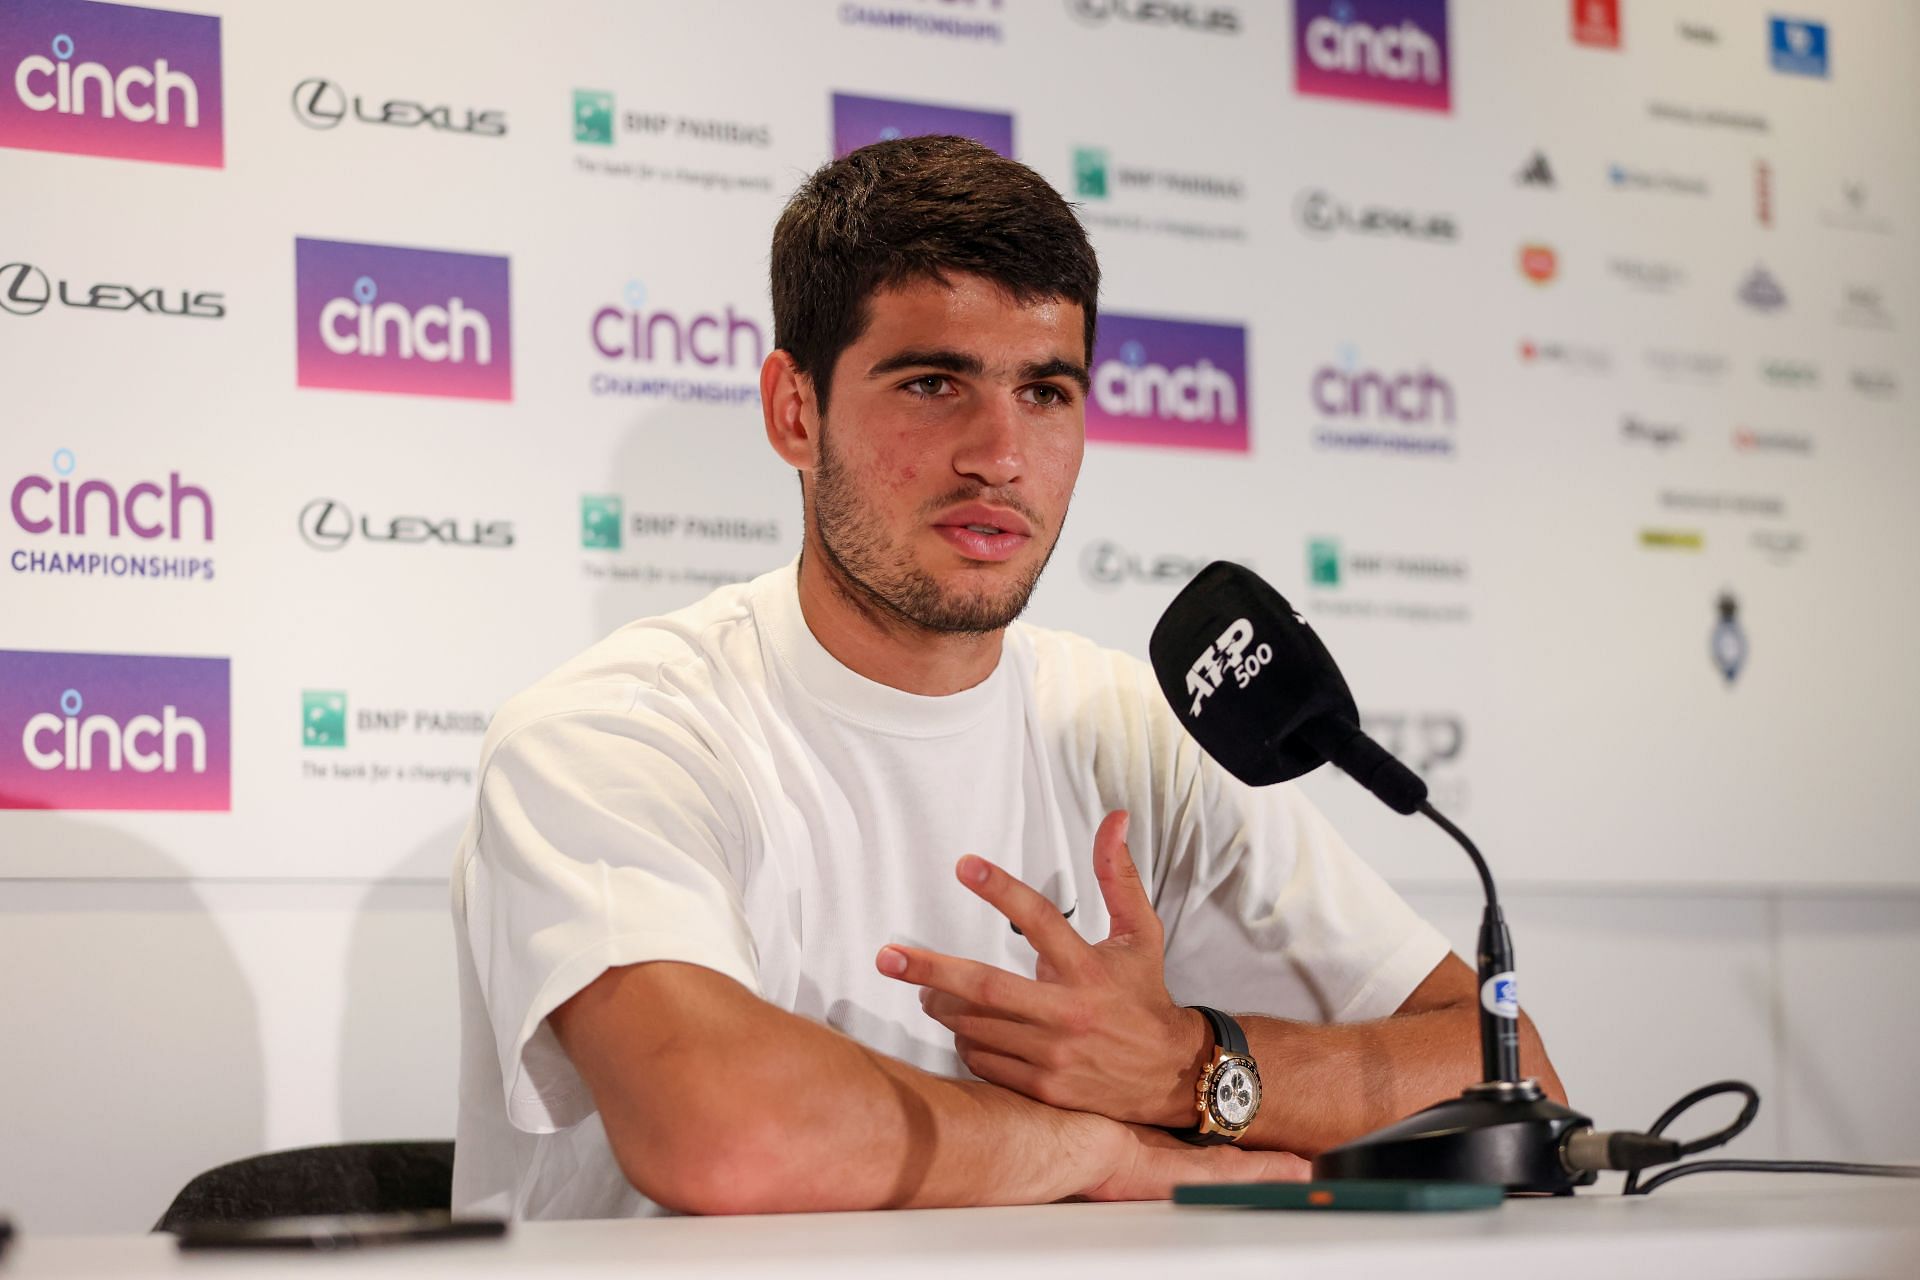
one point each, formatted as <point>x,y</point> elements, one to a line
<point>320,103</point>
<point>326,524</point>
<point>1105,565</point>
<point>24,290</point>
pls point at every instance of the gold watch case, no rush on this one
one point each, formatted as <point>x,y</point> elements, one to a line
<point>1206,1090</point>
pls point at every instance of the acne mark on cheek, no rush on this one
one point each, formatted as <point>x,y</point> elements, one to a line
<point>907,474</point>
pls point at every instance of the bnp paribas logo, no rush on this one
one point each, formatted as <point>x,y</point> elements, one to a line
<point>1090,173</point>
<point>593,117</point>
<point>1323,562</point>
<point>600,521</point>
<point>323,718</point>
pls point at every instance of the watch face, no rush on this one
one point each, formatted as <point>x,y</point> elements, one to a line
<point>1236,1093</point>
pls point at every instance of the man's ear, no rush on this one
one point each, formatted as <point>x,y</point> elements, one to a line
<point>791,411</point>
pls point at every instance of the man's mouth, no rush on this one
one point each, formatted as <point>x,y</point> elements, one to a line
<point>981,532</point>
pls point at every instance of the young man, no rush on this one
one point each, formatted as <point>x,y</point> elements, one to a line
<point>718,951</point>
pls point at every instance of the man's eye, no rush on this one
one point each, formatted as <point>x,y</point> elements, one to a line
<point>1047,394</point>
<point>930,385</point>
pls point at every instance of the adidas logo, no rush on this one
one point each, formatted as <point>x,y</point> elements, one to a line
<point>1537,173</point>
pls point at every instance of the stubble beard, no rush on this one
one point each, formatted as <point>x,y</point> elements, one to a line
<point>879,577</point>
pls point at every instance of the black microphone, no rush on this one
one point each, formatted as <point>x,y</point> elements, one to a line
<point>1253,684</point>
<point>1255,687</point>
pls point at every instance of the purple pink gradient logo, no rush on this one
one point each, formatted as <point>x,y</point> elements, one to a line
<point>422,322</point>
<point>1170,382</point>
<point>114,731</point>
<point>859,121</point>
<point>1392,53</point>
<point>111,80</point>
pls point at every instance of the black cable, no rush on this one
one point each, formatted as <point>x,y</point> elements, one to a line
<point>1720,1137</point>
<point>1460,837</point>
<point>1778,1166</point>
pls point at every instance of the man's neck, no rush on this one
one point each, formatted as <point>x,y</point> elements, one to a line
<point>864,636</point>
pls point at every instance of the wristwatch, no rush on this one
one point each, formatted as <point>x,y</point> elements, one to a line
<point>1227,1095</point>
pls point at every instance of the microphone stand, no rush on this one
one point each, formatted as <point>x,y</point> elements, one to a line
<point>1504,1131</point>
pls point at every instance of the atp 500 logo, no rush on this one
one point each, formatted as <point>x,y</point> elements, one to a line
<point>1233,652</point>
<point>421,322</point>
<point>113,731</point>
<point>111,80</point>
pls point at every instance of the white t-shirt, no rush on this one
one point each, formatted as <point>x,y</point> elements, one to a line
<point>713,787</point>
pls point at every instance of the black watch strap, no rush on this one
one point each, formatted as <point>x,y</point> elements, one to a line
<point>1226,1031</point>
<point>1226,1035</point>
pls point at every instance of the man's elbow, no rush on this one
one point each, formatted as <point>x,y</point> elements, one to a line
<point>722,1167</point>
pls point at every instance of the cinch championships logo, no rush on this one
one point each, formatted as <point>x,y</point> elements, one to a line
<point>859,121</point>
<point>67,503</point>
<point>1407,411</point>
<point>708,356</point>
<point>113,731</point>
<point>1392,53</point>
<point>1170,382</point>
<point>111,80</point>
<point>421,322</point>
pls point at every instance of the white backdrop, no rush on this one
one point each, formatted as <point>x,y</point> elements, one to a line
<point>1527,616</point>
<point>1498,608</point>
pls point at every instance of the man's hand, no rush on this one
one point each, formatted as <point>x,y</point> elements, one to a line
<point>1157,1162</point>
<point>1095,1029</point>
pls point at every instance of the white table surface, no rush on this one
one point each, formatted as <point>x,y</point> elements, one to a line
<point>1755,1227</point>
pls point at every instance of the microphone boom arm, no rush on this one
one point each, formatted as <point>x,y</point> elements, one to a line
<point>1499,1029</point>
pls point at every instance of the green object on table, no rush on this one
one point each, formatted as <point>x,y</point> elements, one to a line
<point>1400,1197</point>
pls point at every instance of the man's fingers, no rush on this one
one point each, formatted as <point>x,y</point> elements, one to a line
<point>989,1030</point>
<point>998,1068</point>
<point>1128,904</point>
<point>978,984</point>
<point>1028,910</point>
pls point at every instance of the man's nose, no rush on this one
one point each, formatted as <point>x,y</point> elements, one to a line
<point>993,448</point>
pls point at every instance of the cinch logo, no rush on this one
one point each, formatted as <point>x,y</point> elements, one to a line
<point>113,731</point>
<point>61,504</point>
<point>631,332</point>
<point>1389,52</point>
<point>1170,382</point>
<point>859,121</point>
<point>1368,409</point>
<point>421,322</point>
<point>111,80</point>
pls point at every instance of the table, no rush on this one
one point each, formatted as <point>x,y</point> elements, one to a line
<point>1755,1227</point>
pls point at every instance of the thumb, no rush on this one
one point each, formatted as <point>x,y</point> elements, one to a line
<point>1128,905</point>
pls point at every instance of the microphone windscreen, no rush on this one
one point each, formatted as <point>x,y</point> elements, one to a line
<point>1243,673</point>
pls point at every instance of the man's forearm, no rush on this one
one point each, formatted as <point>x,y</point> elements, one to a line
<point>1325,1085</point>
<point>856,1129</point>
<point>777,1113</point>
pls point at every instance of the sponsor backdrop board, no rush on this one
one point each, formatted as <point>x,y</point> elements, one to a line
<point>1559,361</point>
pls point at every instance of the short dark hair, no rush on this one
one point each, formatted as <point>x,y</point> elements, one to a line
<point>915,209</point>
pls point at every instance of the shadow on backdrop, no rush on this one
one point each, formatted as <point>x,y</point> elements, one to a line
<point>133,1057</point>
<point>400,1019</point>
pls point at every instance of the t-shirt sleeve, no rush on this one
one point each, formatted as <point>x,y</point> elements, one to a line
<point>603,838</point>
<point>1267,909</point>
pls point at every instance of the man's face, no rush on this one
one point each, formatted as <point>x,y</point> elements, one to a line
<point>952,439</point>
